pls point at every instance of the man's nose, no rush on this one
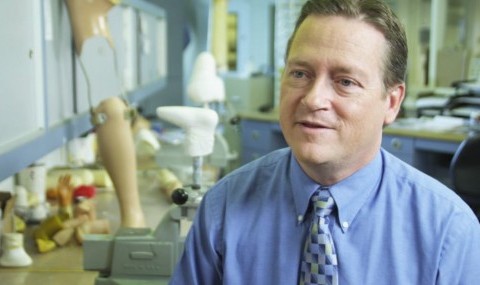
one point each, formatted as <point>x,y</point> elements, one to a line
<point>319,95</point>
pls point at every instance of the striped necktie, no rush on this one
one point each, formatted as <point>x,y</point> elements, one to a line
<point>319,262</point>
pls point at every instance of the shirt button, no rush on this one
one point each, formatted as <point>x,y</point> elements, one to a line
<point>300,218</point>
<point>345,225</point>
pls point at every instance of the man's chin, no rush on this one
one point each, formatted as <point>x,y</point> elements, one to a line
<point>310,155</point>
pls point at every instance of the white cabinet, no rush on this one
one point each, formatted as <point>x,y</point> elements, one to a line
<point>43,90</point>
<point>21,108</point>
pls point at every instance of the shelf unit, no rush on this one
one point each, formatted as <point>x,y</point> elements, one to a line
<point>434,28</point>
<point>43,91</point>
<point>444,42</point>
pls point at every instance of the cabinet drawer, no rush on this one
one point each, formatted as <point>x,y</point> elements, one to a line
<point>401,147</point>
<point>250,154</point>
<point>256,134</point>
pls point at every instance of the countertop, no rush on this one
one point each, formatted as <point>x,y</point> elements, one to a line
<point>64,265</point>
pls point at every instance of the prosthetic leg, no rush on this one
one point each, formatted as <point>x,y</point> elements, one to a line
<point>138,255</point>
<point>132,254</point>
<point>112,120</point>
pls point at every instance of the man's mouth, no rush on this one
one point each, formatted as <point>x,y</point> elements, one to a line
<point>313,125</point>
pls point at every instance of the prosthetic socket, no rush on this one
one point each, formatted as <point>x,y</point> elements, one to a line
<point>89,18</point>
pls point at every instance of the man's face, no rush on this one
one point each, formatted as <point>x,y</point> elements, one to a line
<point>333,104</point>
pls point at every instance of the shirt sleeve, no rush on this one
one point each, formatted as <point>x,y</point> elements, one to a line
<point>200,262</point>
<point>461,253</point>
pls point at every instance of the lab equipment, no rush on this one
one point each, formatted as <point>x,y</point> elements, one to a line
<point>206,89</point>
<point>143,256</point>
<point>459,100</point>
<point>33,179</point>
<point>199,125</point>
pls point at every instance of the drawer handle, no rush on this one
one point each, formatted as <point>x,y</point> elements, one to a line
<point>255,135</point>
<point>396,143</point>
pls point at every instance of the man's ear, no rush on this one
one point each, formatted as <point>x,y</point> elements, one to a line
<point>394,100</point>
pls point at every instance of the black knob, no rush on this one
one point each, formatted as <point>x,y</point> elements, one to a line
<point>179,196</point>
<point>196,187</point>
<point>234,120</point>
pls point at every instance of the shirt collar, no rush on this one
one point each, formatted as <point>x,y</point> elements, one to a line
<point>350,194</point>
<point>302,187</point>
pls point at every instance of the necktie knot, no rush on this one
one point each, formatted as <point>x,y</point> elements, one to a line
<point>323,203</point>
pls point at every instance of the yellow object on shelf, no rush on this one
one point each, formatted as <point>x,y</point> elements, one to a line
<point>44,245</point>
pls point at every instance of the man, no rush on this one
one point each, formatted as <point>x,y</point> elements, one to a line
<point>390,223</point>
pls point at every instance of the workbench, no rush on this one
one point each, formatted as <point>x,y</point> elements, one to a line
<point>64,265</point>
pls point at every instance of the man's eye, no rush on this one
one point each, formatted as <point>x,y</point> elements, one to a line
<point>346,82</point>
<point>298,74</point>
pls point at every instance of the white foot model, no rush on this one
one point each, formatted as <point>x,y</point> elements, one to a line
<point>13,253</point>
<point>198,123</point>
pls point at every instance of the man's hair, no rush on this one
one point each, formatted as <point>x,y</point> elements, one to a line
<point>374,12</point>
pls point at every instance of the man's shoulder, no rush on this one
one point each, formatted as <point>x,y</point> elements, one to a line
<point>252,175</point>
<point>402,178</point>
<point>262,165</point>
<point>401,170</point>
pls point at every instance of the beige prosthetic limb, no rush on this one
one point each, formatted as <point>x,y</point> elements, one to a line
<point>168,183</point>
<point>89,18</point>
<point>116,147</point>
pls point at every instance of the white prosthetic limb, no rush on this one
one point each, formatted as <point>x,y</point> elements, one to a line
<point>205,86</point>
<point>116,147</point>
<point>199,125</point>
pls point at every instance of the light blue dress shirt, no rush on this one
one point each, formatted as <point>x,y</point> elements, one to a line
<point>393,225</point>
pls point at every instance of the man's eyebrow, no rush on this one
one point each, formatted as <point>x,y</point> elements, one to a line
<point>351,70</point>
<point>340,68</point>
<point>296,61</point>
<point>346,69</point>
